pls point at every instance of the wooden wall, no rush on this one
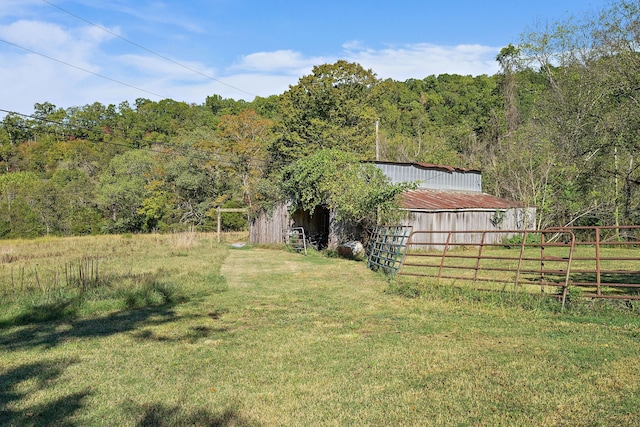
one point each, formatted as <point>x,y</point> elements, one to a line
<point>267,228</point>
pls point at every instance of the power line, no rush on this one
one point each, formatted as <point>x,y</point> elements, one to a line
<point>45,120</point>
<point>83,69</point>
<point>177,150</point>
<point>186,67</point>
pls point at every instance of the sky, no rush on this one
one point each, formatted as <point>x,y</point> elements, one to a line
<point>76,52</point>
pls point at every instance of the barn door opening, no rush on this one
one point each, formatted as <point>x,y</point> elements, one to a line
<point>321,237</point>
<point>315,224</point>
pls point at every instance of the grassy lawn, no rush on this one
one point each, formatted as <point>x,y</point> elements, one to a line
<point>178,330</point>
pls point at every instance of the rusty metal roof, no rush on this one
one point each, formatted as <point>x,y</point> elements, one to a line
<point>448,200</point>
<point>426,166</point>
<point>445,167</point>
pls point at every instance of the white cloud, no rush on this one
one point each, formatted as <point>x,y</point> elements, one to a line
<point>46,63</point>
<point>398,63</point>
<point>157,67</point>
<point>260,84</point>
<point>421,60</point>
<point>75,46</point>
<point>353,45</point>
<point>269,73</point>
<point>17,7</point>
<point>31,78</point>
<point>280,62</point>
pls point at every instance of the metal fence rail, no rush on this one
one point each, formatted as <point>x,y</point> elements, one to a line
<point>606,261</point>
<point>603,261</point>
<point>531,261</point>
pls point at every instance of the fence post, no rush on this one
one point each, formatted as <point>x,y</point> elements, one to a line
<point>523,245</point>
<point>480,248</point>
<point>598,271</point>
<point>219,227</point>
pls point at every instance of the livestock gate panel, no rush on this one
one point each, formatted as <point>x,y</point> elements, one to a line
<point>477,256</point>
<point>296,239</point>
<point>604,262</point>
<point>387,248</point>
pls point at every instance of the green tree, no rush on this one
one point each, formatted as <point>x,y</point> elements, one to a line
<point>77,212</point>
<point>591,69</point>
<point>122,190</point>
<point>18,218</point>
<point>245,139</point>
<point>194,190</point>
<point>48,120</point>
<point>407,132</point>
<point>334,107</point>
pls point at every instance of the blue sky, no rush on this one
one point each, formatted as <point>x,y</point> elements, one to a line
<point>189,49</point>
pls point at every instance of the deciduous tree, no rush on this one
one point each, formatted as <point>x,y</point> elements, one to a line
<point>334,107</point>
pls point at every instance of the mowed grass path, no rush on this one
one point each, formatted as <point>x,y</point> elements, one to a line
<point>295,340</point>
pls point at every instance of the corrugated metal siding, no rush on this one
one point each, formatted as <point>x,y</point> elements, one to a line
<point>514,219</point>
<point>432,176</point>
<point>453,200</point>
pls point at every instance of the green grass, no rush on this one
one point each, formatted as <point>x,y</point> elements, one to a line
<point>260,336</point>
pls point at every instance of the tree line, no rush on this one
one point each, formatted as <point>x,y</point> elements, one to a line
<point>557,128</point>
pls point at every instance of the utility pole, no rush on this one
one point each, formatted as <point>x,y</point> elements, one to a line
<point>377,142</point>
<point>617,211</point>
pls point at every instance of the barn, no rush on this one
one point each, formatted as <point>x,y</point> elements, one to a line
<point>451,199</point>
<point>446,198</point>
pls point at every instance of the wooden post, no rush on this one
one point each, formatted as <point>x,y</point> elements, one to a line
<point>219,227</point>
<point>220,210</point>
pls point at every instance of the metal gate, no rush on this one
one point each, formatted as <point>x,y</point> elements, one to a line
<point>604,261</point>
<point>387,248</point>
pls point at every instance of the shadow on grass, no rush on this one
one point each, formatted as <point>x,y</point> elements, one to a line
<point>157,415</point>
<point>19,383</point>
<point>50,334</point>
<point>608,278</point>
<point>66,309</point>
<point>191,335</point>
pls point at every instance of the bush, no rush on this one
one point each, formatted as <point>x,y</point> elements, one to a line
<point>516,240</point>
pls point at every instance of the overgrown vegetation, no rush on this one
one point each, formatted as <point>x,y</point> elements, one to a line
<point>360,194</point>
<point>53,279</point>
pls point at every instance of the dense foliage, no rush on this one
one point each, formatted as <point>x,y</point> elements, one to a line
<point>557,128</point>
<point>359,193</point>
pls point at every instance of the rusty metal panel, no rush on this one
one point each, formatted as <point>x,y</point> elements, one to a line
<point>434,200</point>
<point>538,262</point>
<point>604,262</point>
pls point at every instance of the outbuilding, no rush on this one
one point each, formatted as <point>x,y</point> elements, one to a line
<point>447,198</point>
